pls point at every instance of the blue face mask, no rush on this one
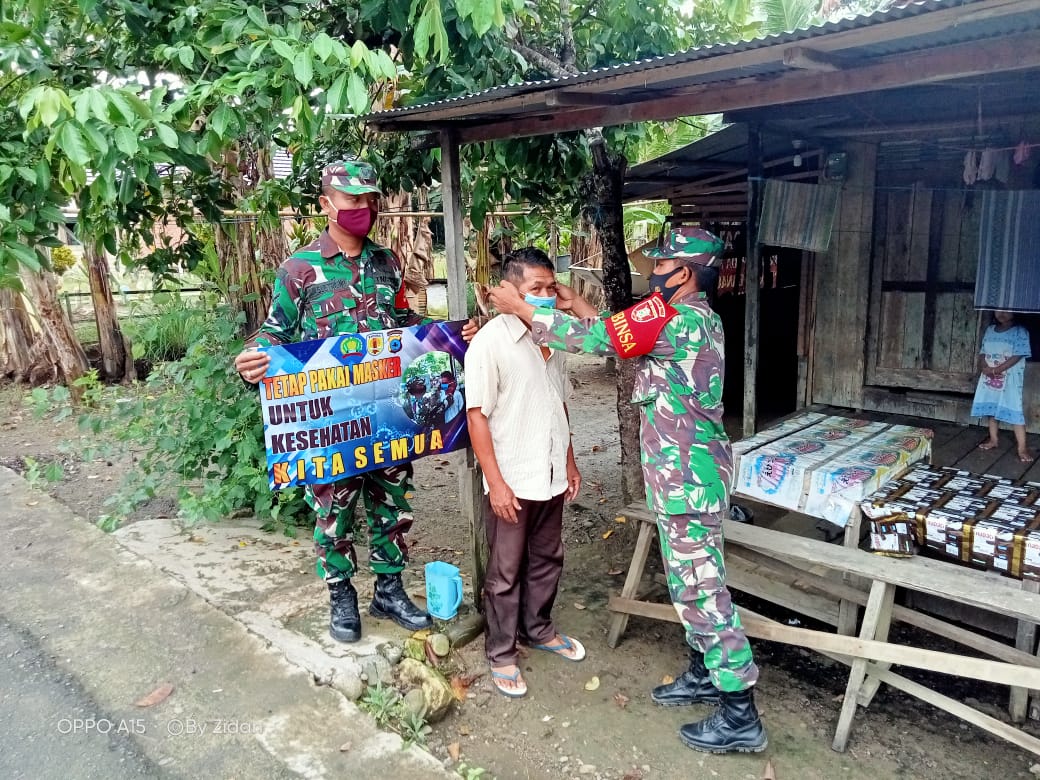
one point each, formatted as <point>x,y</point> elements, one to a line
<point>444,385</point>
<point>548,302</point>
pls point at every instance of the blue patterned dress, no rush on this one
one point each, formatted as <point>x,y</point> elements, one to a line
<point>1001,396</point>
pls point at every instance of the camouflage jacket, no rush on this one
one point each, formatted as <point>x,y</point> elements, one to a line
<point>685,453</point>
<point>319,292</point>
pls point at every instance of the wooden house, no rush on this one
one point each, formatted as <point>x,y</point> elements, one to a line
<point>886,108</point>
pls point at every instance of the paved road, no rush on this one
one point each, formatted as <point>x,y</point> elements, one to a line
<point>51,728</point>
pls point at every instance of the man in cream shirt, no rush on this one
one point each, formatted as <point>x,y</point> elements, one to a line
<point>515,398</point>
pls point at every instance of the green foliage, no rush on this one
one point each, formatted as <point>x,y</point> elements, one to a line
<point>387,708</point>
<point>197,430</point>
<point>171,326</point>
<point>469,772</point>
<point>37,474</point>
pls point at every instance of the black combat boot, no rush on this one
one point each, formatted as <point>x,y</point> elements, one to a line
<point>691,687</point>
<point>733,727</point>
<point>345,620</point>
<point>390,601</point>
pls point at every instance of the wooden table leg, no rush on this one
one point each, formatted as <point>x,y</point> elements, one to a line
<point>647,532</point>
<point>878,614</point>
<point>848,611</point>
<point>1025,640</point>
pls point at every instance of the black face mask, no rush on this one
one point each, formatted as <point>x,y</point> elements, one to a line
<point>659,283</point>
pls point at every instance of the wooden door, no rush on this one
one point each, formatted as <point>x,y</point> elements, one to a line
<point>924,332</point>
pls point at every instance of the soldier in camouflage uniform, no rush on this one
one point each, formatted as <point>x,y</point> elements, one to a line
<point>346,283</point>
<point>687,466</point>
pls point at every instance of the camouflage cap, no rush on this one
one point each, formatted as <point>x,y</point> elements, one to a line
<point>691,245</point>
<point>354,177</point>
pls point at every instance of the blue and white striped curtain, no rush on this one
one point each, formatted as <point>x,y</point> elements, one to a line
<point>1008,277</point>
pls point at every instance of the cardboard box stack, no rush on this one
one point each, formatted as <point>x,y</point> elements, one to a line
<point>978,520</point>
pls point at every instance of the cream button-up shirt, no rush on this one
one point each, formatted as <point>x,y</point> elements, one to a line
<point>522,394</point>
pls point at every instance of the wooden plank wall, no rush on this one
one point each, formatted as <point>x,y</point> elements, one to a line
<point>923,329</point>
<point>899,280</point>
<point>842,277</point>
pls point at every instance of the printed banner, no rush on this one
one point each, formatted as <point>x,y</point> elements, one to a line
<point>350,404</point>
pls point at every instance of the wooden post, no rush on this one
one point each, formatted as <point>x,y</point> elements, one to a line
<point>630,589</point>
<point>875,621</point>
<point>1025,640</point>
<point>848,611</point>
<point>752,293</point>
<point>470,486</point>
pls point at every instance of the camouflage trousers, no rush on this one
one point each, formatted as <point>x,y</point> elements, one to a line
<point>691,548</point>
<point>388,514</point>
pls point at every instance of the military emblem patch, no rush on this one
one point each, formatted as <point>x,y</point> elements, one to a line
<point>351,349</point>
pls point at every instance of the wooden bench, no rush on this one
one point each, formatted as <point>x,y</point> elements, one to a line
<point>803,572</point>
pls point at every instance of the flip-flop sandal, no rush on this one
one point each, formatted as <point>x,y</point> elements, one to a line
<point>512,693</point>
<point>567,644</point>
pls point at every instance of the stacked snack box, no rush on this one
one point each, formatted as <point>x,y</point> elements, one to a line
<point>979,520</point>
<point>779,469</point>
<point>863,468</point>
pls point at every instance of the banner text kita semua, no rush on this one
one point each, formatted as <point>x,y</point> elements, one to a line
<point>350,404</point>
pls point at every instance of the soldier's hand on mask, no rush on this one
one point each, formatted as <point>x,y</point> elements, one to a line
<point>252,364</point>
<point>568,300</point>
<point>503,501</point>
<point>565,297</point>
<point>507,298</point>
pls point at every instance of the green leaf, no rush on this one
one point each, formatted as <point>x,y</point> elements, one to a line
<point>358,54</point>
<point>126,141</point>
<point>70,141</point>
<point>25,256</point>
<point>335,95</point>
<point>118,101</point>
<point>5,213</point>
<point>167,135</point>
<point>97,138</point>
<point>82,104</point>
<point>256,16</point>
<point>219,119</point>
<point>284,50</point>
<point>322,46</point>
<point>50,214</point>
<point>27,173</point>
<point>258,51</point>
<point>186,55</point>
<point>303,69</point>
<point>98,104</point>
<point>48,107</point>
<point>421,36</point>
<point>383,65</point>
<point>357,94</point>
<point>232,28</point>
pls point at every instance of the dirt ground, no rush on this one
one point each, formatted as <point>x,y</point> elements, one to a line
<point>563,730</point>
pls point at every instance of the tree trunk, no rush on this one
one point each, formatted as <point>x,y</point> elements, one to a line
<point>608,175</point>
<point>246,247</point>
<point>16,336</point>
<point>56,350</point>
<point>114,355</point>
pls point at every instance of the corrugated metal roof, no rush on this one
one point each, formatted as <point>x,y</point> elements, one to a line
<point>962,21</point>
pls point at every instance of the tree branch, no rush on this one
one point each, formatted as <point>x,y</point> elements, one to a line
<point>543,61</point>
<point>567,53</point>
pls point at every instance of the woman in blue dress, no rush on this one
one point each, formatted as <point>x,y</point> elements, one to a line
<point>1005,346</point>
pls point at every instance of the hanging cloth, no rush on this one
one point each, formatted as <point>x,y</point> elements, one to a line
<point>1008,277</point>
<point>797,215</point>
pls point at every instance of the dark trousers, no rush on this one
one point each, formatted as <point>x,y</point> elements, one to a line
<point>523,573</point>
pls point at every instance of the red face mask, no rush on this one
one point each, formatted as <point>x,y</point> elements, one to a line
<point>357,222</point>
